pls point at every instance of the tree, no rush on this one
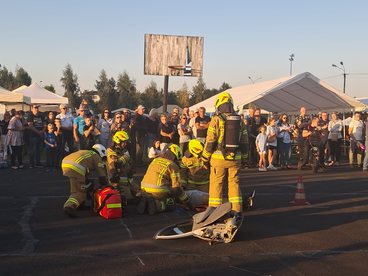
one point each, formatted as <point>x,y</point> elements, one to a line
<point>22,77</point>
<point>7,79</point>
<point>198,91</point>
<point>69,82</point>
<point>151,97</point>
<point>50,88</point>
<point>126,91</point>
<point>183,96</point>
<point>106,90</point>
<point>224,86</point>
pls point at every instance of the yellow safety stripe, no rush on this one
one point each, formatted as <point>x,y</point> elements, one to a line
<point>236,199</point>
<point>183,197</point>
<point>73,200</point>
<point>218,155</point>
<point>211,129</point>
<point>84,156</point>
<point>75,167</point>
<point>100,165</point>
<point>198,182</point>
<point>113,205</point>
<point>206,154</point>
<point>152,188</point>
<point>214,201</point>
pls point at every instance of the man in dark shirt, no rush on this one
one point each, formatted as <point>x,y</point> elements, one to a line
<point>313,137</point>
<point>301,123</point>
<point>140,133</point>
<point>36,130</point>
<point>323,125</point>
<point>201,123</point>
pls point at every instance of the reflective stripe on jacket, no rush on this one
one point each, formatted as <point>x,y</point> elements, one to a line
<point>79,163</point>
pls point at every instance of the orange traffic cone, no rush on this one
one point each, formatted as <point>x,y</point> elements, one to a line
<point>300,194</point>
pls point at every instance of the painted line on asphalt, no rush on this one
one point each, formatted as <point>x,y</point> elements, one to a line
<point>132,238</point>
<point>24,222</point>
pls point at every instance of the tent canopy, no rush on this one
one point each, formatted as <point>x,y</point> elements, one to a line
<point>288,94</point>
<point>40,95</point>
<point>8,97</point>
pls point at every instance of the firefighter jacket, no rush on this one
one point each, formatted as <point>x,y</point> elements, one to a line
<point>118,162</point>
<point>162,178</point>
<point>215,140</point>
<point>193,173</point>
<point>80,163</point>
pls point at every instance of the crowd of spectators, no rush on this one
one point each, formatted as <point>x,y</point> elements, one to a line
<point>270,140</point>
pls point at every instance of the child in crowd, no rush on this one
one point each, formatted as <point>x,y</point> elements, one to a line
<point>261,145</point>
<point>59,140</point>
<point>51,147</point>
<point>155,150</point>
<point>90,132</point>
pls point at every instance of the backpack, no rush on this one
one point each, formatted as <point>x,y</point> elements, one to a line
<point>107,203</point>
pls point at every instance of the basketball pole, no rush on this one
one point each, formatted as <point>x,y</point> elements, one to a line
<point>166,89</point>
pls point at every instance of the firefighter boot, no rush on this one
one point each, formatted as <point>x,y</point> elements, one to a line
<point>169,204</point>
<point>153,206</point>
<point>142,205</point>
<point>70,212</point>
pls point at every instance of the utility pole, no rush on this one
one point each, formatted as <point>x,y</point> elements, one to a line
<point>291,59</point>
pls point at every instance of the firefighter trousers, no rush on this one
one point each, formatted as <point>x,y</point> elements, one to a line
<point>77,192</point>
<point>220,169</point>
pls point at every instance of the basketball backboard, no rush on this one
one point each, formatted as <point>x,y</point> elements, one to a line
<point>171,55</point>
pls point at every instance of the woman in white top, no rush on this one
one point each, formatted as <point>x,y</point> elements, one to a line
<point>334,138</point>
<point>15,139</point>
<point>104,125</point>
<point>271,143</point>
<point>284,130</point>
<point>185,133</point>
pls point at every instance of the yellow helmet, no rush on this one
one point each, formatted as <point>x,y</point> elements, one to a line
<point>195,147</point>
<point>224,97</point>
<point>176,151</point>
<point>120,136</point>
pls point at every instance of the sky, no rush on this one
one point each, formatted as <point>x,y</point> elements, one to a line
<point>242,39</point>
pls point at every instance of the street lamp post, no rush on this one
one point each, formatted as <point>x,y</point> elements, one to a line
<point>342,68</point>
<point>291,59</point>
<point>252,80</point>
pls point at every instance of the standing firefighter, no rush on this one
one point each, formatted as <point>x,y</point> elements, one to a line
<point>119,165</point>
<point>76,166</point>
<point>226,138</point>
<point>161,183</point>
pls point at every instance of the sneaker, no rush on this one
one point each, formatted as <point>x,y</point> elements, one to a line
<point>70,212</point>
<point>264,169</point>
<point>20,166</point>
<point>14,167</point>
<point>331,163</point>
<point>142,205</point>
<point>38,166</point>
<point>260,169</point>
<point>272,168</point>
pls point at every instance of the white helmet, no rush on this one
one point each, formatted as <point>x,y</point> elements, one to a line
<point>101,150</point>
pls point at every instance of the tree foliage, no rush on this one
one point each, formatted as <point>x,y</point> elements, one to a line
<point>126,91</point>
<point>106,90</point>
<point>198,92</point>
<point>151,97</point>
<point>50,88</point>
<point>10,81</point>
<point>69,82</point>
<point>183,96</point>
<point>22,77</point>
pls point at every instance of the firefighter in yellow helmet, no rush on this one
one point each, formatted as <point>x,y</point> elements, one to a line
<point>76,166</point>
<point>225,149</point>
<point>195,176</point>
<point>161,183</point>
<point>120,167</point>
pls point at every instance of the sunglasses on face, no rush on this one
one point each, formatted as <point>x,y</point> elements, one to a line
<point>118,117</point>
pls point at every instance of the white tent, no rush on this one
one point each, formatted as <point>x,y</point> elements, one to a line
<point>40,95</point>
<point>8,97</point>
<point>288,94</point>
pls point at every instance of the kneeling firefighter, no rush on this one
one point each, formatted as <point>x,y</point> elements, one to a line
<point>161,183</point>
<point>194,175</point>
<point>225,149</point>
<point>77,166</point>
<point>120,167</point>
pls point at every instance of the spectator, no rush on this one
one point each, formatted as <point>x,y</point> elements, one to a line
<point>50,118</point>
<point>117,124</point>
<point>155,150</point>
<point>50,141</point>
<point>323,125</point>
<point>104,125</point>
<point>4,128</point>
<point>356,137</point>
<point>185,133</point>
<point>60,151</point>
<point>201,123</point>
<point>271,133</point>
<point>15,140</point>
<point>186,112</point>
<point>252,134</point>
<point>66,129</point>
<point>261,145</point>
<point>140,134</point>
<point>193,115</point>
<point>174,120</point>
<point>152,126</point>
<point>334,139</point>
<point>284,130</point>
<point>90,133</point>
<point>365,162</point>
<point>78,125</point>
<point>36,127</point>
<point>301,123</point>
<point>166,131</point>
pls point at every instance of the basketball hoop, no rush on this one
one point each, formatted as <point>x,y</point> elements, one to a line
<point>180,70</point>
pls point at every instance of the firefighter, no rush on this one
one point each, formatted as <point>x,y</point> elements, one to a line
<point>161,183</point>
<point>195,176</point>
<point>225,149</point>
<point>77,166</point>
<point>120,167</point>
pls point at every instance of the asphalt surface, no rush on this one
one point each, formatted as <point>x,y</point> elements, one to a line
<point>327,237</point>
